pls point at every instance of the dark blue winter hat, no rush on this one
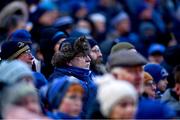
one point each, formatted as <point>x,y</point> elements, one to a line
<point>59,35</point>
<point>63,21</point>
<point>156,48</point>
<point>21,35</point>
<point>156,71</point>
<point>12,49</point>
<point>39,80</point>
<point>77,6</point>
<point>92,42</point>
<point>142,7</point>
<point>42,8</point>
<point>58,89</point>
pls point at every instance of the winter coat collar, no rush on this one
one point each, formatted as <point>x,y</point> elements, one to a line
<point>80,73</point>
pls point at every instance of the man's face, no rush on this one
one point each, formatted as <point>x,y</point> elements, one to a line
<point>26,57</point>
<point>156,59</point>
<point>162,85</point>
<point>124,26</point>
<point>96,54</point>
<point>81,61</point>
<point>134,75</point>
<point>137,73</point>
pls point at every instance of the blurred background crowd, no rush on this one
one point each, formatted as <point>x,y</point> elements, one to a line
<point>87,59</point>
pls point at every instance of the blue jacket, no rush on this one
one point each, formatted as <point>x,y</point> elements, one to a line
<point>85,77</point>
<point>61,116</point>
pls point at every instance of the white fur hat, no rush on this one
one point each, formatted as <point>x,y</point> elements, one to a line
<point>111,92</point>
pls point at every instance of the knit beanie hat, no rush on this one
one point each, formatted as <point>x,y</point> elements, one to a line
<point>92,42</point>
<point>156,71</point>
<point>12,49</point>
<point>57,90</point>
<point>41,9</point>
<point>59,35</point>
<point>111,91</point>
<point>63,22</point>
<point>12,71</point>
<point>21,35</point>
<point>122,46</point>
<point>96,17</point>
<point>16,93</point>
<point>119,18</point>
<point>70,48</point>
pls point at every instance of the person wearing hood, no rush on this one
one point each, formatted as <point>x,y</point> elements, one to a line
<point>64,97</point>
<point>47,42</point>
<point>13,16</point>
<point>73,60</point>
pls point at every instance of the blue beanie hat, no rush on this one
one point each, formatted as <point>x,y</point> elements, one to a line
<point>142,7</point>
<point>58,89</point>
<point>39,80</point>
<point>21,35</point>
<point>156,48</point>
<point>156,71</point>
<point>42,8</point>
<point>63,21</point>
<point>92,42</point>
<point>59,35</point>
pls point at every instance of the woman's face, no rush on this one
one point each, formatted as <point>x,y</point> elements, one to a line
<point>71,104</point>
<point>81,61</point>
<point>150,89</point>
<point>124,109</point>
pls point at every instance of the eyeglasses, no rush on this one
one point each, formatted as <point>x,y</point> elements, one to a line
<point>150,83</point>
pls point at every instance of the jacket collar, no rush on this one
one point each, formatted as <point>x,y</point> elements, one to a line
<point>74,71</point>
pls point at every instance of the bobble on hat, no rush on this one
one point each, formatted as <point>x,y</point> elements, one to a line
<point>21,36</point>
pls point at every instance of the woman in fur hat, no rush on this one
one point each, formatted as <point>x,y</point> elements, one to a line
<point>73,60</point>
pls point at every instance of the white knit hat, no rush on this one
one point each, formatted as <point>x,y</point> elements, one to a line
<point>111,92</point>
<point>12,71</point>
<point>98,17</point>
